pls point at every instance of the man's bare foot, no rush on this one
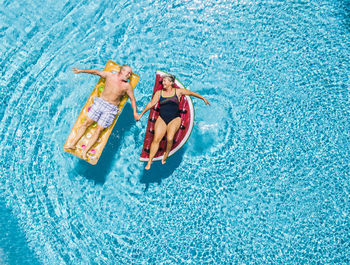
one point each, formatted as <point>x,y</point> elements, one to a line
<point>69,146</point>
<point>84,155</point>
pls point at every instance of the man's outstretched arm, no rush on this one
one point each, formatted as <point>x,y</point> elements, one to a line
<point>91,71</point>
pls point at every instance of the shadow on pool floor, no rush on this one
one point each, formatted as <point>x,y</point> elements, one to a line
<point>98,172</point>
<point>158,171</point>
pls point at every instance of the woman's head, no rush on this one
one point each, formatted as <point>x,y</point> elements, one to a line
<point>169,78</point>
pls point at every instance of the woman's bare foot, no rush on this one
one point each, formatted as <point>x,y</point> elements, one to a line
<point>165,156</point>
<point>148,166</point>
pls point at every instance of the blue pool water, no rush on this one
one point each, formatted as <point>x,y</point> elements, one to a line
<point>264,177</point>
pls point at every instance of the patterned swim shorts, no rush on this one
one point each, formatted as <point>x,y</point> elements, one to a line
<point>102,112</point>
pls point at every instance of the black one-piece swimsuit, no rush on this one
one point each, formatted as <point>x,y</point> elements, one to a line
<point>169,107</point>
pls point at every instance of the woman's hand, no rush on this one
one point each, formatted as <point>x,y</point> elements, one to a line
<point>206,101</point>
<point>137,116</point>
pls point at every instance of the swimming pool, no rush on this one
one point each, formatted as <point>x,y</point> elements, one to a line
<point>264,177</point>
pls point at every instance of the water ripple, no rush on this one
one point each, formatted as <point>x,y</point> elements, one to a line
<point>263,177</point>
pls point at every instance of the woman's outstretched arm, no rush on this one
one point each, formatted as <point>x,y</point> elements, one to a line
<point>191,93</point>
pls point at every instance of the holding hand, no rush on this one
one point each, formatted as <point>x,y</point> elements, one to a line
<point>137,117</point>
<point>140,116</point>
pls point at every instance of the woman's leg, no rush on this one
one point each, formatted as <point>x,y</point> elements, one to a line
<point>172,128</point>
<point>159,131</point>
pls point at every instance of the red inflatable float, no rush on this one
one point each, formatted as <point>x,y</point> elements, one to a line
<point>187,119</point>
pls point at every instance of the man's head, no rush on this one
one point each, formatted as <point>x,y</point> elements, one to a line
<point>125,72</point>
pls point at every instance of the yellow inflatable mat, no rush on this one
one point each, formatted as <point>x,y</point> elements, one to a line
<point>96,150</point>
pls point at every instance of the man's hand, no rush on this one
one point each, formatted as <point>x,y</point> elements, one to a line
<point>77,71</point>
<point>137,117</point>
<point>206,101</point>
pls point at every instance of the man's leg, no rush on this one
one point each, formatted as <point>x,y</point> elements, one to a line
<point>172,128</point>
<point>92,141</point>
<point>80,133</point>
<point>159,131</point>
<point>104,121</point>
